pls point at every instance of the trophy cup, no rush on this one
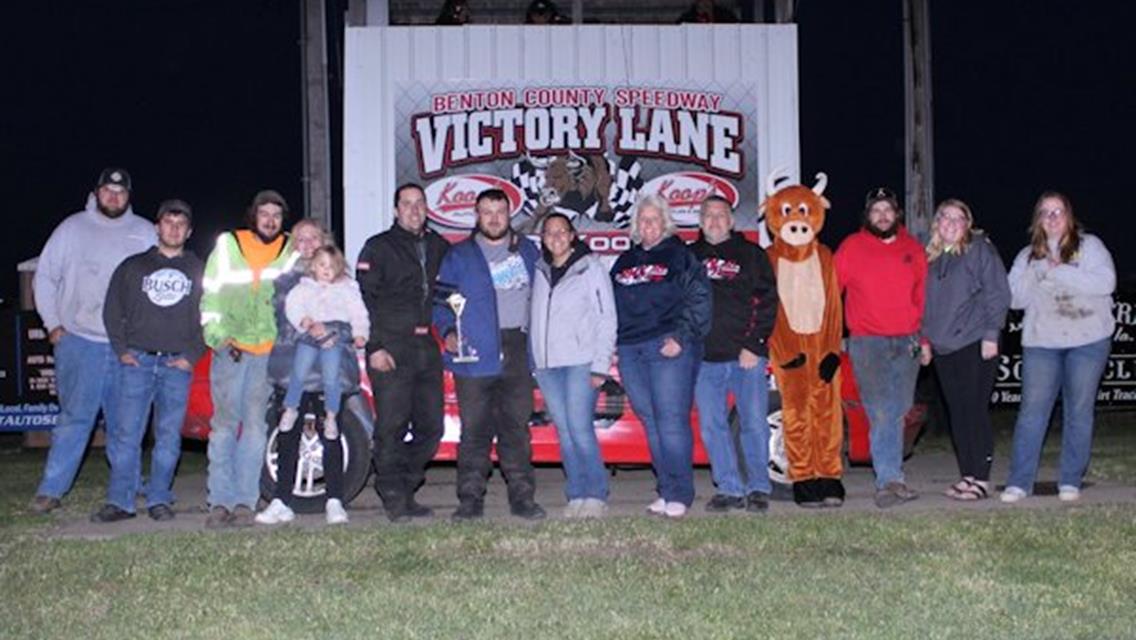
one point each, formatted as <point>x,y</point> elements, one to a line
<point>457,302</point>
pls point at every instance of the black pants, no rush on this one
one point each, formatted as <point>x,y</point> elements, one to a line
<point>288,454</point>
<point>498,406</point>
<point>408,401</point>
<point>967,382</point>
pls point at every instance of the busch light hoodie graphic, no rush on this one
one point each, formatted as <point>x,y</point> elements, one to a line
<point>153,305</point>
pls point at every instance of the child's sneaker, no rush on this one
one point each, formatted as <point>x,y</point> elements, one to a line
<point>330,428</point>
<point>334,512</point>
<point>288,419</point>
<point>1068,493</point>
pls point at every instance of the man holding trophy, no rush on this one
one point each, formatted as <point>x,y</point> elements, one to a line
<point>484,287</point>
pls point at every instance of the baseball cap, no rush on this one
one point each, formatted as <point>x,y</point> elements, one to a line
<point>881,194</point>
<point>175,206</point>
<point>116,176</point>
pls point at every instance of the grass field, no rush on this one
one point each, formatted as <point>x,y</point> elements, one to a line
<point>1012,573</point>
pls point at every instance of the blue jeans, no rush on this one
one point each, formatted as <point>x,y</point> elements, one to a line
<point>155,382</point>
<point>1075,374</point>
<point>751,398</point>
<point>571,401</point>
<point>85,383</point>
<point>238,431</point>
<point>306,356</point>
<point>886,369</point>
<point>661,391</point>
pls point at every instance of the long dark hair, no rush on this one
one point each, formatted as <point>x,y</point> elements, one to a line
<point>1070,242</point>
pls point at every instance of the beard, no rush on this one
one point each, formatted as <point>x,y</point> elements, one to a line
<point>493,236</point>
<point>111,212</point>
<point>884,234</point>
<point>267,239</point>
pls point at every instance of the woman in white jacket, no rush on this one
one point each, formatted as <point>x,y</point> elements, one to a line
<point>1064,281</point>
<point>572,335</point>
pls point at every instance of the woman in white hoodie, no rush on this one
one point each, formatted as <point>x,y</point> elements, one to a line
<point>572,335</point>
<point>1064,281</point>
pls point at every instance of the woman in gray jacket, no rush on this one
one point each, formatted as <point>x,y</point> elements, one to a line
<point>964,310</point>
<point>572,335</point>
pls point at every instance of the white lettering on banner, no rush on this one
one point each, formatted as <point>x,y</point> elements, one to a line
<point>454,139</point>
<point>709,139</point>
<point>479,125</point>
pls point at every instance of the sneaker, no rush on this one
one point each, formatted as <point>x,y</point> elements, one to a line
<point>334,512</point>
<point>894,493</point>
<point>110,513</point>
<point>288,420</point>
<point>161,512</point>
<point>414,509</point>
<point>468,510</point>
<point>276,513</point>
<point>593,508</point>
<point>44,504</point>
<point>721,503</point>
<point>330,428</point>
<point>528,510</point>
<point>757,502</point>
<point>219,517</point>
<point>1068,493</point>
<point>674,510</point>
<point>1012,494</point>
<point>572,509</point>
<point>657,508</point>
<point>242,517</point>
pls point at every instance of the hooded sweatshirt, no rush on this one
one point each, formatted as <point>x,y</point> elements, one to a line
<point>967,297</point>
<point>745,297</point>
<point>882,283</point>
<point>153,303</point>
<point>661,291</point>
<point>76,265</point>
<point>1069,305</point>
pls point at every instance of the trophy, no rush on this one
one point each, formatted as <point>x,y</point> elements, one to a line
<point>457,302</point>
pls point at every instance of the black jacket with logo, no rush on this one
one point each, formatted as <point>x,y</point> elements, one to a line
<point>745,297</point>
<point>153,303</point>
<point>396,273</point>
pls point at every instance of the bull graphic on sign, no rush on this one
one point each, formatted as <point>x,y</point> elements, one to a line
<point>588,188</point>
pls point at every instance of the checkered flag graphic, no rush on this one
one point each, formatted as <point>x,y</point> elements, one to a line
<point>625,185</point>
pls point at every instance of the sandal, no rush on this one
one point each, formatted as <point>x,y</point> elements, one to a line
<point>974,491</point>
<point>957,488</point>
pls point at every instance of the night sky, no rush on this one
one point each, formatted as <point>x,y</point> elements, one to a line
<point>200,99</point>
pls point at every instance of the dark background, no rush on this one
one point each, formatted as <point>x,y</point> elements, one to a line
<point>200,99</point>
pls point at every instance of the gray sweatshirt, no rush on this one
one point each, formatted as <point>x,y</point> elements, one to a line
<point>1069,305</point>
<point>76,264</point>
<point>967,297</point>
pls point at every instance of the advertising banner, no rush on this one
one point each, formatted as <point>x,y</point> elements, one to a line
<point>588,152</point>
<point>27,374</point>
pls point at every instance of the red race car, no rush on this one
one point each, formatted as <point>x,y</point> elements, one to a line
<point>620,434</point>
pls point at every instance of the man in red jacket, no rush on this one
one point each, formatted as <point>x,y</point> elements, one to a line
<point>881,270</point>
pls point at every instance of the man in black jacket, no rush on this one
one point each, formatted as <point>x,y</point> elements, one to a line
<point>153,319</point>
<point>734,359</point>
<point>396,272</point>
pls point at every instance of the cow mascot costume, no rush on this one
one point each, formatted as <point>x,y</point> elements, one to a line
<point>806,342</point>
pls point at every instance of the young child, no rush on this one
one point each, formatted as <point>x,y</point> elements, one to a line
<point>327,294</point>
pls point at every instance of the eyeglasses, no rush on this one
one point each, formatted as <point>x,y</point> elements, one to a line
<point>1053,213</point>
<point>959,220</point>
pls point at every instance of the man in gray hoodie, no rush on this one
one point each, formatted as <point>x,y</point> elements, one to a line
<point>70,286</point>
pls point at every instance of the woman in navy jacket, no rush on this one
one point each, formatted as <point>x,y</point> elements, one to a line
<point>663,302</point>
